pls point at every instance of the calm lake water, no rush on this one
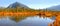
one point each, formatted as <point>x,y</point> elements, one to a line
<point>28,21</point>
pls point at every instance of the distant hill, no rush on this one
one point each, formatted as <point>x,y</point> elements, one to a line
<point>17,7</point>
<point>56,8</point>
<point>17,4</point>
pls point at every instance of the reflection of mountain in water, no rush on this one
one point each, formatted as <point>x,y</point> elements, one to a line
<point>29,21</point>
<point>18,18</point>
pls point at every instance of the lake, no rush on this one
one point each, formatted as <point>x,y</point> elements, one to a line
<point>28,21</point>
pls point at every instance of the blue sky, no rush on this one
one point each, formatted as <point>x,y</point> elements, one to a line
<point>32,3</point>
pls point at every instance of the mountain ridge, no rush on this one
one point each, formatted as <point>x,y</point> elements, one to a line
<point>17,4</point>
<point>56,8</point>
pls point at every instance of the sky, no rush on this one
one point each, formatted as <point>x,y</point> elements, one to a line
<point>35,4</point>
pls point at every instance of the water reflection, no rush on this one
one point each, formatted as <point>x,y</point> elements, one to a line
<point>26,21</point>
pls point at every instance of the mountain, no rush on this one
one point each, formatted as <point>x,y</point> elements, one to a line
<point>56,8</point>
<point>17,4</point>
